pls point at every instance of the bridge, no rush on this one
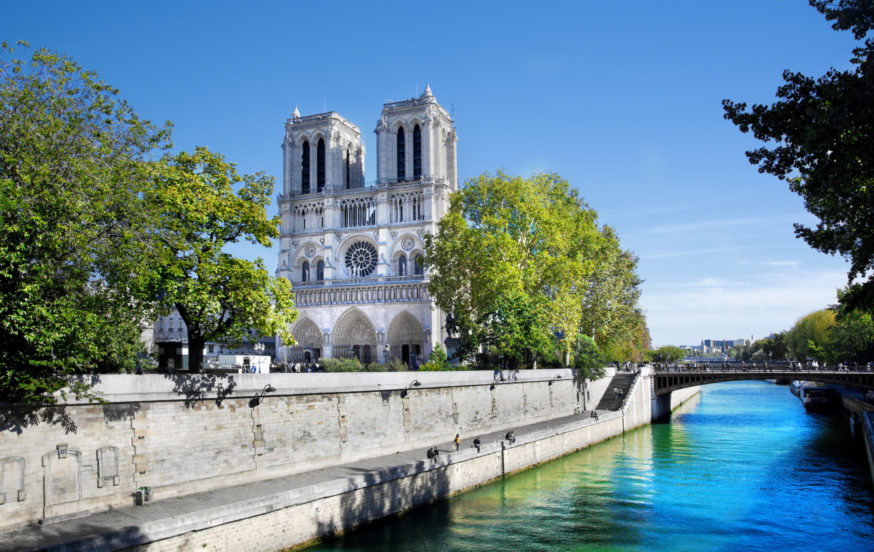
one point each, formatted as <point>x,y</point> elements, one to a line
<point>671,378</point>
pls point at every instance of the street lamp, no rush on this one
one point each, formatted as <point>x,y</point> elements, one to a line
<point>414,383</point>
<point>256,400</point>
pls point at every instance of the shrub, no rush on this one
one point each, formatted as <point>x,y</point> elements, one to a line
<point>340,364</point>
<point>397,365</point>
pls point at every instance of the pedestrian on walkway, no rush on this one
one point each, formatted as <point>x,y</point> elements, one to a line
<point>511,436</point>
<point>457,442</point>
<point>477,443</point>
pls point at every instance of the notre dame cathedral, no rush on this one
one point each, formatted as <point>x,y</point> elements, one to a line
<point>353,252</point>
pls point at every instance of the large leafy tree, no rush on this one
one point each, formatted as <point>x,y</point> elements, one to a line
<point>73,159</point>
<point>512,261</point>
<point>611,312</point>
<point>811,335</point>
<point>198,205</point>
<point>822,130</point>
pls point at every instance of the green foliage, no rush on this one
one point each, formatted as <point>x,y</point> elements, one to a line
<point>513,260</point>
<point>770,348</point>
<point>199,205</point>
<point>588,359</point>
<point>436,361</point>
<point>668,353</point>
<point>73,161</point>
<point>810,336</point>
<point>340,364</point>
<point>97,236</point>
<point>824,135</point>
<point>397,365</point>
<point>852,339</point>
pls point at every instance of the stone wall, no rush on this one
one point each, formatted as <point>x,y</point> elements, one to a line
<point>186,434</point>
<point>339,509</point>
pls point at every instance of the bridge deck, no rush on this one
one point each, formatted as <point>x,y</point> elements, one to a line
<point>666,380</point>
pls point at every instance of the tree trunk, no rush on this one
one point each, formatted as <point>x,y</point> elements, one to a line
<point>196,344</point>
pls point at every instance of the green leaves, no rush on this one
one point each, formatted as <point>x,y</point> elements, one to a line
<point>823,135</point>
<point>518,261</point>
<point>72,159</point>
<point>98,233</point>
<point>198,205</point>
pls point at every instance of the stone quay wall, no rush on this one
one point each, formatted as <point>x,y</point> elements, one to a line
<point>291,522</point>
<point>331,510</point>
<point>181,434</point>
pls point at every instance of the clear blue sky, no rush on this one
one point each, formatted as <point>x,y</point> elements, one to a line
<point>621,98</point>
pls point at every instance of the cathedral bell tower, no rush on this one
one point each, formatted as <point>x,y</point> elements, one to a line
<point>415,142</point>
<point>321,152</point>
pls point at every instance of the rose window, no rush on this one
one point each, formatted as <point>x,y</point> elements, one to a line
<point>361,259</point>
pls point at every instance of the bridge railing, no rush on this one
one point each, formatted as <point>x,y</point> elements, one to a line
<point>776,366</point>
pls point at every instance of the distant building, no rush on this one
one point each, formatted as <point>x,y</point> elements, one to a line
<point>719,346</point>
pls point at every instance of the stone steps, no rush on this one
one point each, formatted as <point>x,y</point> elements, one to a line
<point>620,381</point>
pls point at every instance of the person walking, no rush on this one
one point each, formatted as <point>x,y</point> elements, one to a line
<point>457,442</point>
<point>477,443</point>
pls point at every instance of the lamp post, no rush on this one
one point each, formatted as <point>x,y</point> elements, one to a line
<point>414,383</point>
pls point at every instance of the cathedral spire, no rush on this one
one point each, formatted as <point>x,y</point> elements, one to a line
<point>427,93</point>
<point>296,113</point>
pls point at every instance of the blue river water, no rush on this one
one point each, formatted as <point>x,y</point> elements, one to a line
<point>742,467</point>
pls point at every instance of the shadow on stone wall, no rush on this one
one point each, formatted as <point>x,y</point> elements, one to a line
<point>200,387</point>
<point>377,504</point>
<point>15,418</point>
<point>99,537</point>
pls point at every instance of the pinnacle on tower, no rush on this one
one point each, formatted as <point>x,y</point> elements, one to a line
<point>296,113</point>
<point>427,93</point>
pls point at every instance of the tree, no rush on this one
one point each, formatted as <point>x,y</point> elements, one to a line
<point>195,212</point>
<point>824,134</point>
<point>668,353</point>
<point>611,312</point>
<point>811,335</point>
<point>852,339</point>
<point>73,159</point>
<point>512,262</point>
<point>588,359</point>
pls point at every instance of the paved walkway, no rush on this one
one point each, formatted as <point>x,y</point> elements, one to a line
<point>133,525</point>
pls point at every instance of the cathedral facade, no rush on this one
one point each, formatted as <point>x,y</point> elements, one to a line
<point>353,252</point>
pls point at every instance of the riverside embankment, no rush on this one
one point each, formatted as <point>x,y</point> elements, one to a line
<point>283,459</point>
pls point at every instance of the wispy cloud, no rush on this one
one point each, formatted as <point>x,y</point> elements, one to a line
<point>782,263</point>
<point>773,264</point>
<point>691,252</point>
<point>720,224</point>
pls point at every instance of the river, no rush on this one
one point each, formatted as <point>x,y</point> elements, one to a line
<point>741,467</point>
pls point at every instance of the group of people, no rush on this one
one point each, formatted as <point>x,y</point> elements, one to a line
<point>433,453</point>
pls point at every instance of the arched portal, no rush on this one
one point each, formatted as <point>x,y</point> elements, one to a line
<point>309,344</point>
<point>354,335</point>
<point>406,338</point>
